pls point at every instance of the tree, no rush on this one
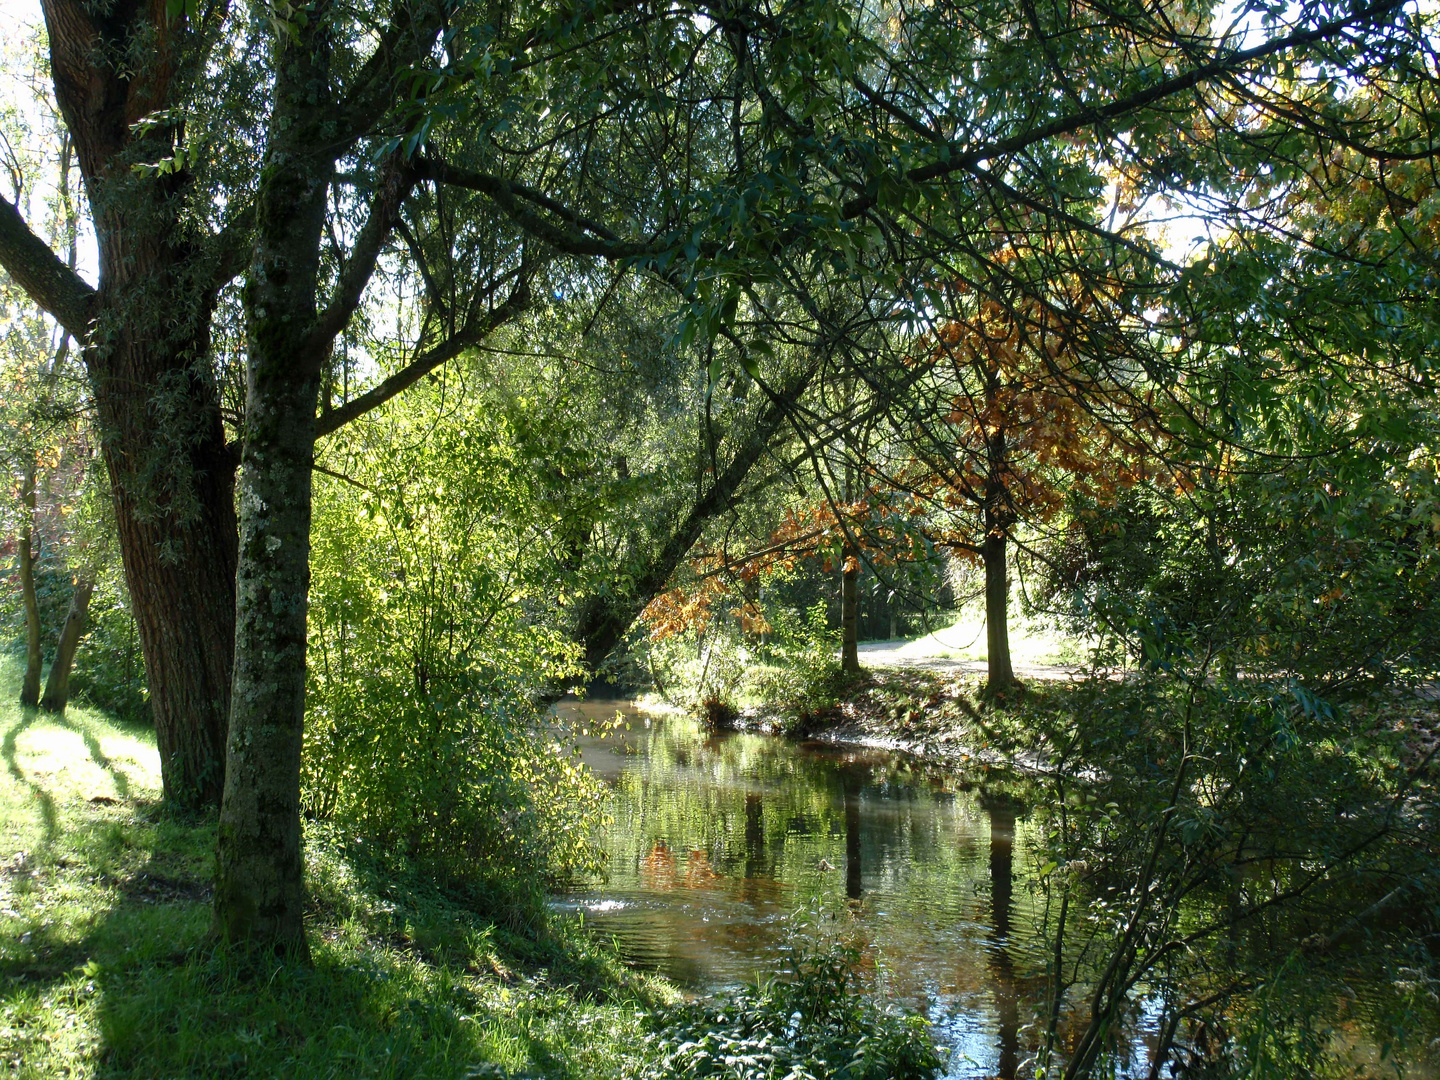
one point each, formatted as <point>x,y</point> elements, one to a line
<point>731,154</point>
<point>1010,420</point>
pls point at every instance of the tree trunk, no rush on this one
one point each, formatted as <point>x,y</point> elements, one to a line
<point>1001,676</point>
<point>180,571</point>
<point>998,520</point>
<point>30,688</point>
<point>850,613</point>
<point>259,869</point>
<point>57,686</point>
<point>259,886</point>
<point>147,335</point>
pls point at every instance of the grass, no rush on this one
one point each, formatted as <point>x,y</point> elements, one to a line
<point>107,970</point>
<point>1032,643</point>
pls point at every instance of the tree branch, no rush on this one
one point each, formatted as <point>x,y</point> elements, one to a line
<point>396,183</point>
<point>475,330</point>
<point>582,237</point>
<point>231,245</point>
<point>955,157</point>
<point>44,277</point>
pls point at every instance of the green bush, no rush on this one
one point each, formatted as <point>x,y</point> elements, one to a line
<point>705,673</point>
<point>806,681</point>
<point>814,1024</point>
<point>425,739</point>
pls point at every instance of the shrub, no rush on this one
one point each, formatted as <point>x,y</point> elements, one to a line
<point>814,1024</point>
<point>807,681</point>
<point>425,739</point>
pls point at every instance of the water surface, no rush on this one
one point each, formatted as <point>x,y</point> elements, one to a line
<point>718,839</point>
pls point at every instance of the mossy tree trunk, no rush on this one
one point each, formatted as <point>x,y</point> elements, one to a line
<point>57,684</point>
<point>259,868</point>
<point>259,865</point>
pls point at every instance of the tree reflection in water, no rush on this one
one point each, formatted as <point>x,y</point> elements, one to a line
<point>854,874</point>
<point>1002,967</point>
<point>717,840</point>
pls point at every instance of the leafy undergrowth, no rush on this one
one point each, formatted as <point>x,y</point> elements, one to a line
<point>107,970</point>
<point>807,1027</point>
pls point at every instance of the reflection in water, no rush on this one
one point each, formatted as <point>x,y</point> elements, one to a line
<point>717,840</point>
<point>1002,967</point>
<point>854,875</point>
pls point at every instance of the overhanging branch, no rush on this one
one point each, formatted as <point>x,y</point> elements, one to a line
<point>956,157</point>
<point>41,273</point>
<point>475,330</point>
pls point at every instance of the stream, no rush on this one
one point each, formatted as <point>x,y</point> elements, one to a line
<point>717,840</point>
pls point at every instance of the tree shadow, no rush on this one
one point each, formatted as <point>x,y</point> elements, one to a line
<point>97,753</point>
<point>49,816</point>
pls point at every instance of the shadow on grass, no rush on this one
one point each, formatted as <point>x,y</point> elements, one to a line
<point>97,753</point>
<point>125,944</point>
<point>49,817</point>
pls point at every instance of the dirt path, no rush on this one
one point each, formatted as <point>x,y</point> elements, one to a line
<point>906,655</point>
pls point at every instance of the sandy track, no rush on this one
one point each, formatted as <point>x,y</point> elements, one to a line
<point>902,655</point>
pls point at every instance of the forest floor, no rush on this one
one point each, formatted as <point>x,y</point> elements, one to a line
<point>107,969</point>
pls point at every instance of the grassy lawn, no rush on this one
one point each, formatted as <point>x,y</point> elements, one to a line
<point>1031,642</point>
<point>106,969</point>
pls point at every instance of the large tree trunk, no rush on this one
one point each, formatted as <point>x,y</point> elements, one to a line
<point>30,687</point>
<point>57,686</point>
<point>147,335</point>
<point>259,884</point>
<point>179,551</point>
<point>259,869</point>
<point>850,612</point>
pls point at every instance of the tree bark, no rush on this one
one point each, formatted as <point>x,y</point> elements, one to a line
<point>259,886</point>
<point>146,331</point>
<point>850,612</point>
<point>30,687</point>
<point>998,521</point>
<point>57,685</point>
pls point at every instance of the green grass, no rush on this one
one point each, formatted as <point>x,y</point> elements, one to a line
<point>1032,642</point>
<point>107,970</point>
